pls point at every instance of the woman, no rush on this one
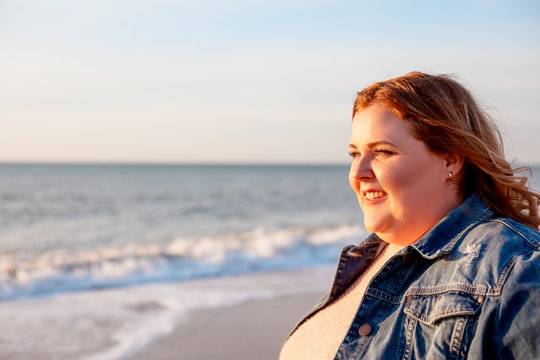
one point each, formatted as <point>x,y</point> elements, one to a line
<point>452,269</point>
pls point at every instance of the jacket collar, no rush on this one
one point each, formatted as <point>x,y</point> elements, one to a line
<point>443,237</point>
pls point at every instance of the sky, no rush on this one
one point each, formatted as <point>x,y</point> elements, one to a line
<point>259,81</point>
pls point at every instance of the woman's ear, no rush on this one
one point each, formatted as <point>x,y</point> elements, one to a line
<point>454,163</point>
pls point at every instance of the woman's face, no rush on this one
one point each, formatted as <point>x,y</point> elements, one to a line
<point>402,187</point>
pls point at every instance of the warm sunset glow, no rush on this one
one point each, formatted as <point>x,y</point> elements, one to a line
<point>236,81</point>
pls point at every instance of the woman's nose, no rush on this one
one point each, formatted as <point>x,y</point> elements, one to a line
<point>361,168</point>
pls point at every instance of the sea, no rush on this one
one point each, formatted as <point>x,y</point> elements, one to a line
<point>99,260</point>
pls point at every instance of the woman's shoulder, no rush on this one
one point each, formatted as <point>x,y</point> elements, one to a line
<point>504,231</point>
<point>486,256</point>
<point>501,246</point>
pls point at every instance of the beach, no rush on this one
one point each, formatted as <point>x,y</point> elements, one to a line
<point>253,330</point>
<point>100,261</point>
<point>233,316</point>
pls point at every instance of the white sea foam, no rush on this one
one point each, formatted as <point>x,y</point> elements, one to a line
<point>24,274</point>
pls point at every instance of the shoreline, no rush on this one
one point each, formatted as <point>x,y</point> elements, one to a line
<point>255,329</point>
<point>245,316</point>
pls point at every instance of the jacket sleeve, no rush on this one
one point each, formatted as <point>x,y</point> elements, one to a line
<point>516,333</point>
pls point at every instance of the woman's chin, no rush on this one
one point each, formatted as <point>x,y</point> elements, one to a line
<point>374,226</point>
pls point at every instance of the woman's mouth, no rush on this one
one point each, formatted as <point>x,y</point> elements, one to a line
<point>374,195</point>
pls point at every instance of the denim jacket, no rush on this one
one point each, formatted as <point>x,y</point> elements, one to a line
<point>468,289</point>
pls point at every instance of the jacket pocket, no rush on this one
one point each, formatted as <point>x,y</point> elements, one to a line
<point>431,308</point>
<point>439,326</point>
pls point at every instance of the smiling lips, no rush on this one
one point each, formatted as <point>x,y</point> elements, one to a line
<point>374,195</point>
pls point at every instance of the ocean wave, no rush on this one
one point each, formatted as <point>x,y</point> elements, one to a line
<point>24,275</point>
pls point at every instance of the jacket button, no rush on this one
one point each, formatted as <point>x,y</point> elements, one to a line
<point>365,330</point>
<point>409,299</point>
<point>409,258</point>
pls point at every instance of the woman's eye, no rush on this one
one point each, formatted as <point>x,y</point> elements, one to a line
<point>354,154</point>
<point>382,152</point>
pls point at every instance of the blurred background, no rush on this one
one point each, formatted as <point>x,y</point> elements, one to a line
<point>161,156</point>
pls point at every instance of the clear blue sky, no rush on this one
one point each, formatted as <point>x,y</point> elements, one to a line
<point>245,81</point>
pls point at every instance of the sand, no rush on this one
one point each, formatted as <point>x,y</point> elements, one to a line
<point>253,330</point>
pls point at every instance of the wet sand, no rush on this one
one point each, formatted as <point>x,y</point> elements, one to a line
<point>253,330</point>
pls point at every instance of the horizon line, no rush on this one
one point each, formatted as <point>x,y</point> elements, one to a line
<point>176,163</point>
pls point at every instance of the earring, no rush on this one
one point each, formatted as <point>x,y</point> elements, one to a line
<point>450,175</point>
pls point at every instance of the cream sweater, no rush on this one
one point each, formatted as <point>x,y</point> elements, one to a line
<point>320,337</point>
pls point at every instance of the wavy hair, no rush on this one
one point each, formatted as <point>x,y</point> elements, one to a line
<point>447,118</point>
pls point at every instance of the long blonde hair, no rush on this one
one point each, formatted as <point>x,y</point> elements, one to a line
<point>446,117</point>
